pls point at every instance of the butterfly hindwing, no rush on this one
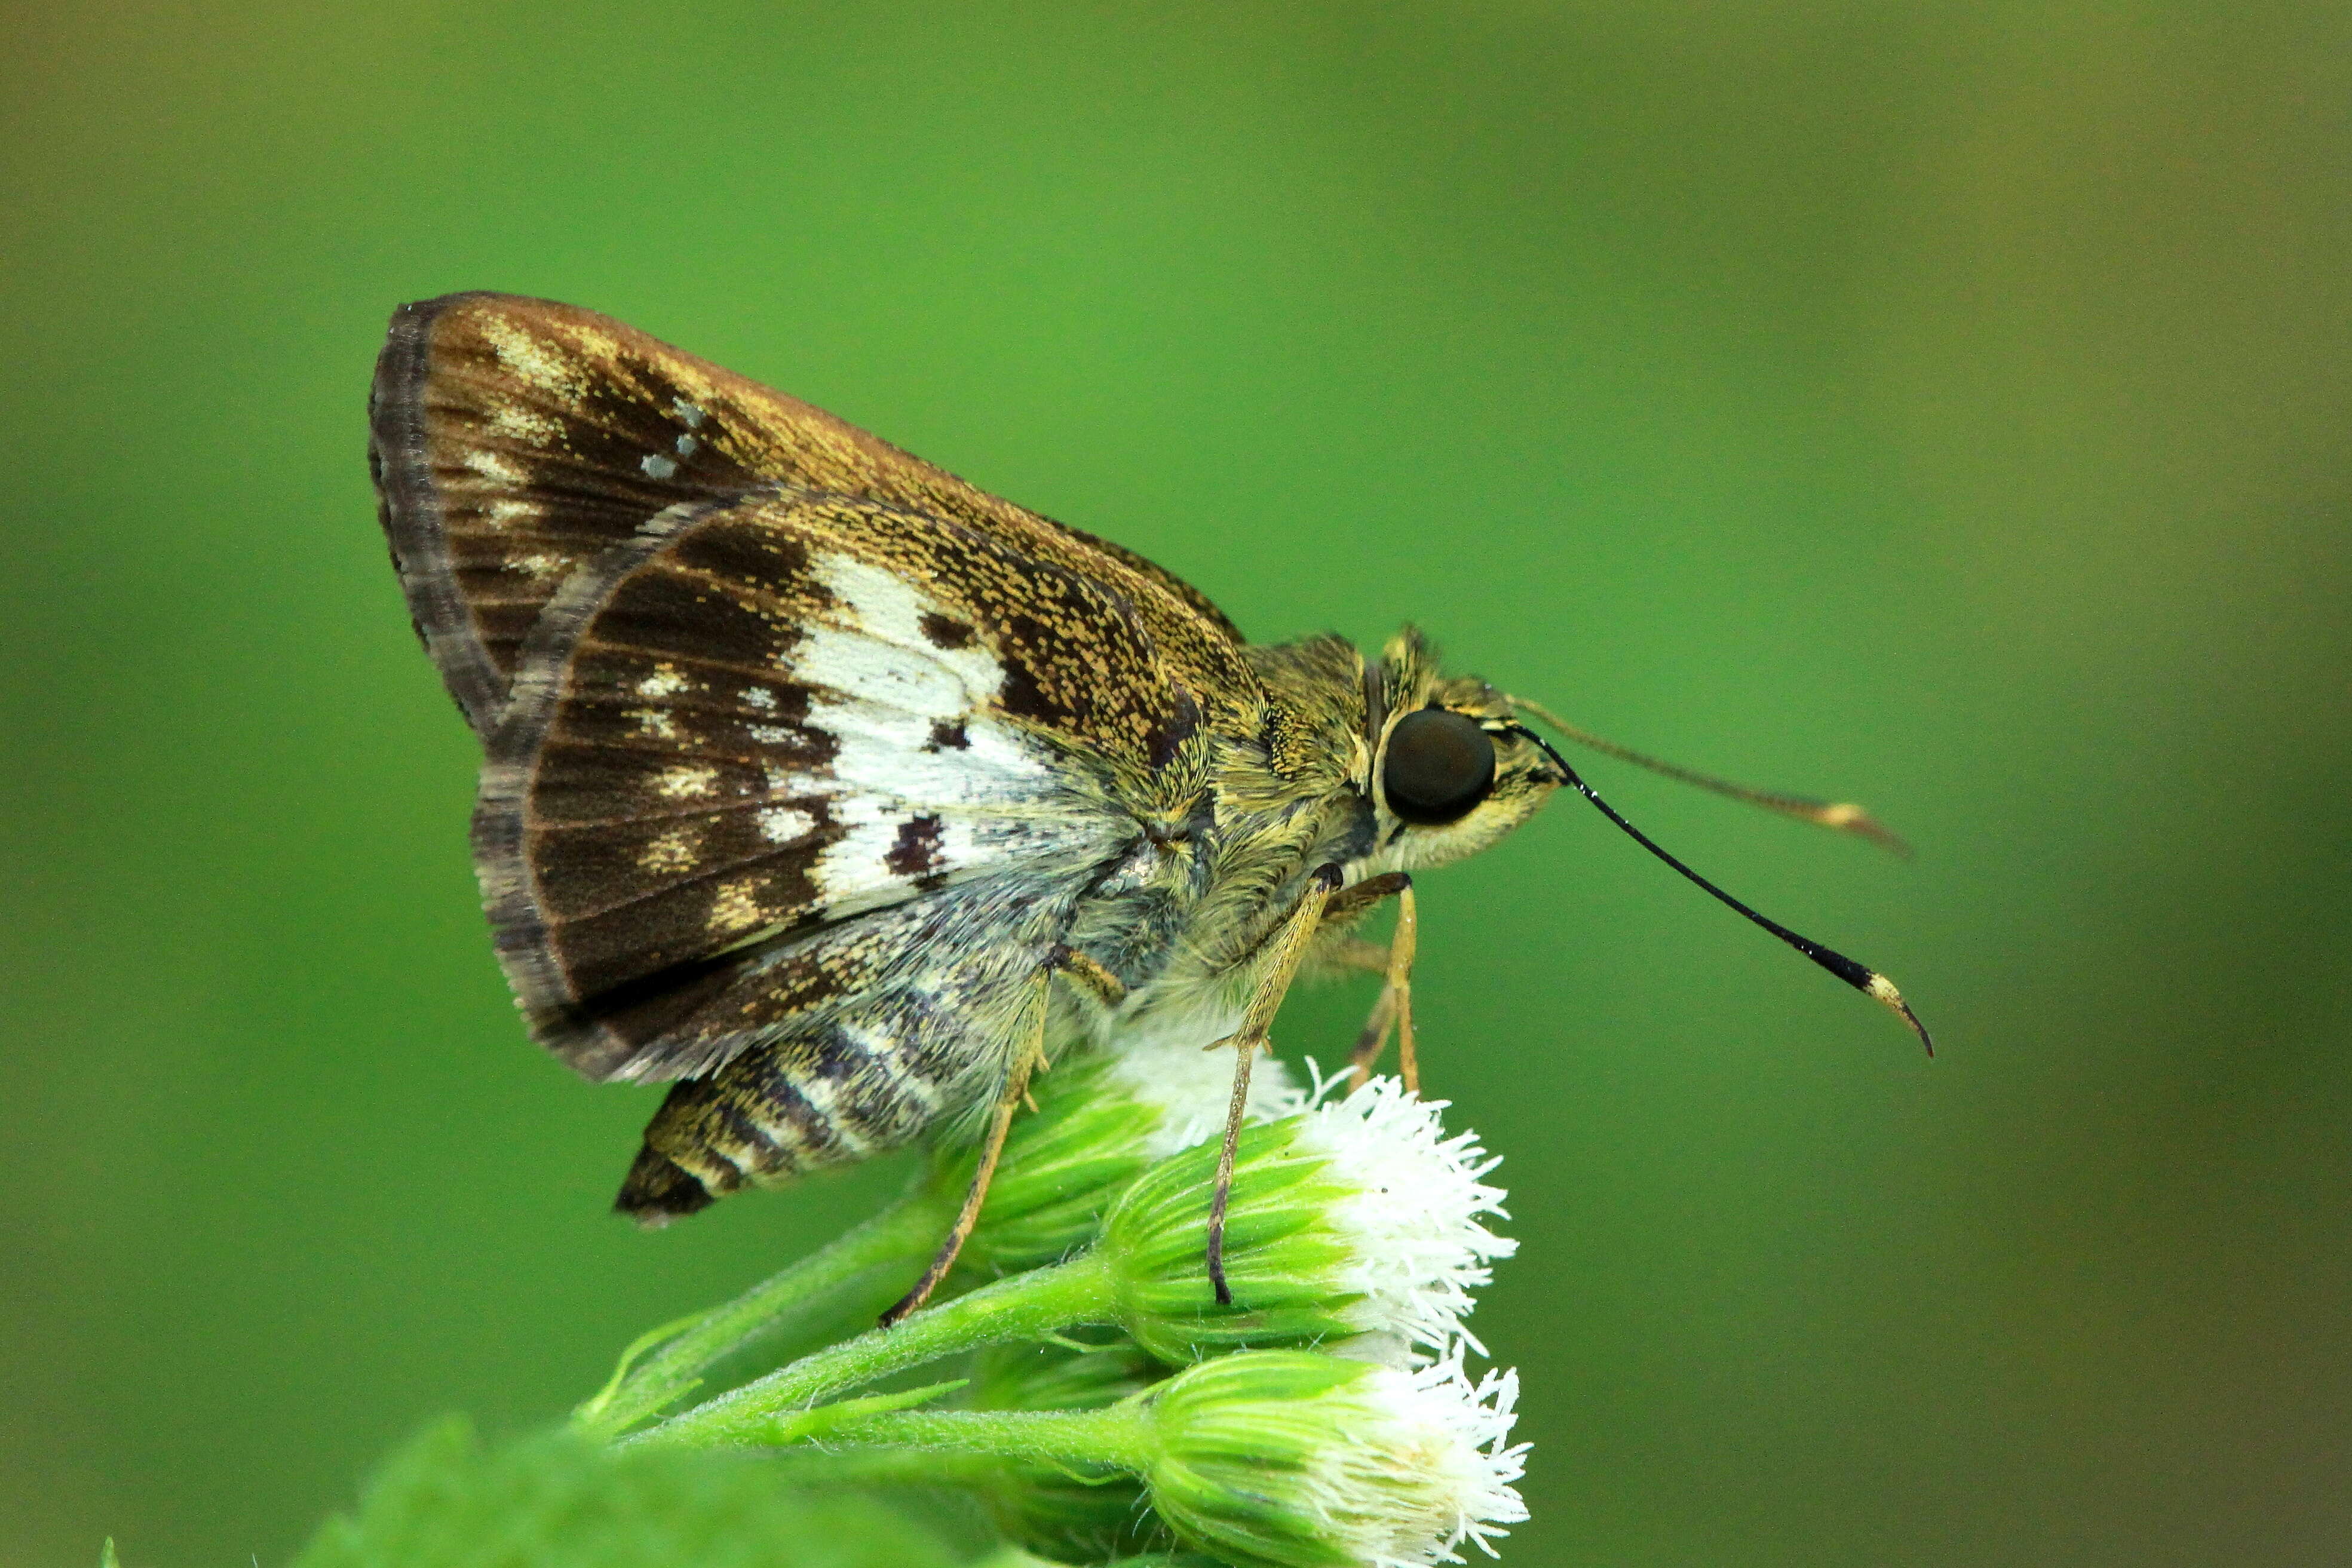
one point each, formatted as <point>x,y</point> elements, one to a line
<point>515,441</point>
<point>757,721</point>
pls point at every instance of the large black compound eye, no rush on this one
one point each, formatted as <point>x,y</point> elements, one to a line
<point>1438,765</point>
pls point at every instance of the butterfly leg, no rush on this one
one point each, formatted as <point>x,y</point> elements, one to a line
<point>1008,1101</point>
<point>1089,976</point>
<point>1288,947</point>
<point>1394,1008</point>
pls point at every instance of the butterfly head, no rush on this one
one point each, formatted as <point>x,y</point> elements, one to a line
<point>1453,770</point>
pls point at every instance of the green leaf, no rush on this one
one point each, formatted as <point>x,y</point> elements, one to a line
<point>561,1501</point>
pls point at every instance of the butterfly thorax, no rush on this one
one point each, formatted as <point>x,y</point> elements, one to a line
<point>1180,915</point>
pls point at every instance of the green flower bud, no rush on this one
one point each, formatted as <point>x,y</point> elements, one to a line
<point>1356,1219</point>
<point>1103,1117</point>
<point>1290,1459</point>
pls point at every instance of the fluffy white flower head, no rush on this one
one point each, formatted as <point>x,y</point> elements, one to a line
<point>1416,1198</point>
<point>1429,1469</point>
<point>1355,1222</point>
<point>1303,1461</point>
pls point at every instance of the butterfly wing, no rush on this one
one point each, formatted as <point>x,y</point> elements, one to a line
<point>801,753</point>
<point>515,441</point>
<point>758,721</point>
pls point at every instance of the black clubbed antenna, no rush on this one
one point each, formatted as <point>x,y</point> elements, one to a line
<point>1868,981</point>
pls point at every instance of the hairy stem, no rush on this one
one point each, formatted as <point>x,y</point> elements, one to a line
<point>885,1253</point>
<point>1024,1307</point>
<point>1119,1435</point>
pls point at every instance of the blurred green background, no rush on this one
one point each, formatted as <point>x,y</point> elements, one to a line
<point>1942,406</point>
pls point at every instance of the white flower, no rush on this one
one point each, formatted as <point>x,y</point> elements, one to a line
<point>1466,1491</point>
<point>1290,1459</point>
<point>1353,1222</point>
<point>1414,1202</point>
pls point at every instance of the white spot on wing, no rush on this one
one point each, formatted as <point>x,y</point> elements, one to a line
<point>688,413</point>
<point>495,466</point>
<point>653,721</point>
<point>686,780</point>
<point>658,466</point>
<point>523,422</point>
<point>686,446</point>
<point>858,863</point>
<point>664,682</point>
<point>785,824</point>
<point>879,652</point>
<point>759,698</point>
<point>877,684</point>
<point>533,359</point>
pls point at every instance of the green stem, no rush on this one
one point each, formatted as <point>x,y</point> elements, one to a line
<point>890,1245</point>
<point>1023,1307</point>
<point>1120,1435</point>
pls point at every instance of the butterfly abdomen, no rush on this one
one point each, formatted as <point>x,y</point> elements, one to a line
<point>912,1049</point>
<point>772,1115</point>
